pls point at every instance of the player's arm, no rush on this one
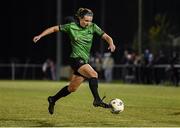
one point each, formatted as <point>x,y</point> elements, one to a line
<point>109,40</point>
<point>46,32</point>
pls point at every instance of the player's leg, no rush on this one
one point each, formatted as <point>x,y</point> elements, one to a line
<point>72,87</point>
<point>87,71</point>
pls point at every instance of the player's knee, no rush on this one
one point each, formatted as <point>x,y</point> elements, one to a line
<point>94,74</point>
<point>72,88</point>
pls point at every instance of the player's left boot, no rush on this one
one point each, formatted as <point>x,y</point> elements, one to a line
<point>100,103</point>
<point>51,105</point>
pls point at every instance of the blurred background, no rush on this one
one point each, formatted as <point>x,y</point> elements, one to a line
<point>145,32</point>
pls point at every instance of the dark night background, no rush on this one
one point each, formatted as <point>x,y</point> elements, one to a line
<point>21,20</point>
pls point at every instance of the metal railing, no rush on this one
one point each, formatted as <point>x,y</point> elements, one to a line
<point>20,71</point>
<point>153,74</point>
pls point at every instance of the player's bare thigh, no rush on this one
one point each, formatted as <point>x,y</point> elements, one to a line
<point>87,71</point>
<point>75,83</point>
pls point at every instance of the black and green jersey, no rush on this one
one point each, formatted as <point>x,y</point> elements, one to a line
<point>81,38</point>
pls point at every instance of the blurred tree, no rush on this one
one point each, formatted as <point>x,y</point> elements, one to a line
<point>158,34</point>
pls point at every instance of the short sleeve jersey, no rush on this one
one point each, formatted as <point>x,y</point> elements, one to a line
<point>81,38</point>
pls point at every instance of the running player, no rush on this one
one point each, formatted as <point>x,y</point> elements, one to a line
<point>81,33</point>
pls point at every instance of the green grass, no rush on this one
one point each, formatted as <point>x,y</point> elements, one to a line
<point>24,104</point>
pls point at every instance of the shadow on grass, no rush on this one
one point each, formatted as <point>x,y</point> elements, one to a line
<point>176,113</point>
<point>25,123</point>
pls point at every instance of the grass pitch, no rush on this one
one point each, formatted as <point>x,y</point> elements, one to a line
<point>24,104</point>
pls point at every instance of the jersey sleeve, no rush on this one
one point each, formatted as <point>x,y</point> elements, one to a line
<point>98,30</point>
<point>64,27</point>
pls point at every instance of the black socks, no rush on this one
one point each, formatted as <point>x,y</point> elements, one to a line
<point>93,84</point>
<point>62,93</point>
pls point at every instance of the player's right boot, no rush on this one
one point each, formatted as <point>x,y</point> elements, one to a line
<point>51,105</point>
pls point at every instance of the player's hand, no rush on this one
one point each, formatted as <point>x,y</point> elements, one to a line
<point>112,47</point>
<point>36,38</point>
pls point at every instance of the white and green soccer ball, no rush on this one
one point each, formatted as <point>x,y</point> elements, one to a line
<point>117,106</point>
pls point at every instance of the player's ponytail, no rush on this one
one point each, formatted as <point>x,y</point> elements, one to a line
<point>69,19</point>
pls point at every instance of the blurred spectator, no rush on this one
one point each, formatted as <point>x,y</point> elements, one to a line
<point>48,69</point>
<point>128,71</point>
<point>146,56</point>
<point>174,70</point>
<point>98,64</point>
<point>160,58</point>
<point>147,69</point>
<point>159,73</point>
<point>128,57</point>
<point>137,65</point>
<point>108,64</point>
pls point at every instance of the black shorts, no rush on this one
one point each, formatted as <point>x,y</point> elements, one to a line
<point>75,64</point>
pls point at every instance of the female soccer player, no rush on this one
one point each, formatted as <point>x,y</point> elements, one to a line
<point>81,33</point>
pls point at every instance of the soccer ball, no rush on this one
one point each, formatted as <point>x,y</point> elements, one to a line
<point>117,106</point>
